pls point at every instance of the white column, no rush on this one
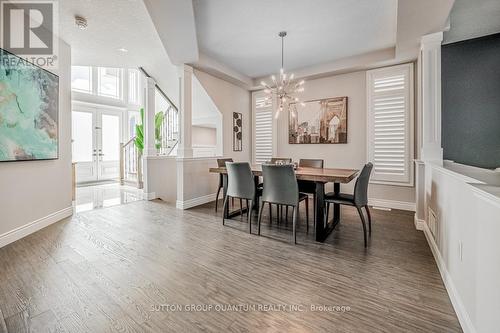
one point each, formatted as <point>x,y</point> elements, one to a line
<point>149,119</point>
<point>149,137</point>
<point>185,149</point>
<point>431,150</point>
<point>428,119</point>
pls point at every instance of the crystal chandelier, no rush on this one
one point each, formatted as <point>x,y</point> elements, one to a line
<point>284,88</point>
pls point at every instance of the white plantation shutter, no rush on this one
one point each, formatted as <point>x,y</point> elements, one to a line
<point>390,124</point>
<point>262,128</point>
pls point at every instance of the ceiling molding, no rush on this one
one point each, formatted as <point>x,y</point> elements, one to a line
<point>175,24</point>
<point>420,18</point>
<point>341,66</point>
<point>221,71</point>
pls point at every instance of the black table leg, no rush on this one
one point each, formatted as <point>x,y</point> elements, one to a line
<point>256,199</point>
<point>336,207</point>
<point>319,213</point>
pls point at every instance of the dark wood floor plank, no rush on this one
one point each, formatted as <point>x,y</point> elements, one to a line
<point>112,270</point>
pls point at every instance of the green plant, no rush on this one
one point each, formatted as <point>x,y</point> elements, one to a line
<point>139,131</point>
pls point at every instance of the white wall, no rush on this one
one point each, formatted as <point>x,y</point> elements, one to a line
<point>230,98</point>
<point>466,246</point>
<point>36,193</point>
<point>194,183</point>
<point>350,155</point>
<point>204,136</point>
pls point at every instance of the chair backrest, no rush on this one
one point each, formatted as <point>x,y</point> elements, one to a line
<point>280,184</point>
<point>240,183</point>
<point>221,162</point>
<point>361,187</point>
<point>283,160</point>
<point>311,163</point>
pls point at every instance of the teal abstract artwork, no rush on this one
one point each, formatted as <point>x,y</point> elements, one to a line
<point>29,105</point>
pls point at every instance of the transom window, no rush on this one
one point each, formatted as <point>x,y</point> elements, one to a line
<point>108,83</point>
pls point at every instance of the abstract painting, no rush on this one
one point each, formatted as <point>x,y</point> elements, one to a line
<point>318,121</point>
<point>237,131</point>
<point>29,106</point>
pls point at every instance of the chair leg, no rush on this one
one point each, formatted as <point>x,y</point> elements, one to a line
<point>241,209</point>
<point>307,215</point>
<point>260,217</point>
<point>217,198</point>
<point>226,200</point>
<point>362,216</point>
<point>369,219</point>
<point>327,211</point>
<point>286,214</point>
<point>249,217</point>
<point>270,212</point>
<point>295,212</point>
<point>248,211</point>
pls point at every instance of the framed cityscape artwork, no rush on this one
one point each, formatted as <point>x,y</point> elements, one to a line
<point>322,121</point>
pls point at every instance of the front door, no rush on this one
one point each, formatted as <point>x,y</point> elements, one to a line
<point>97,136</point>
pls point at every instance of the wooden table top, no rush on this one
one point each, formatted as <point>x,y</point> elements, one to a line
<point>325,175</point>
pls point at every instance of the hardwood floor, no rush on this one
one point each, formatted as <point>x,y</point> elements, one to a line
<point>118,269</point>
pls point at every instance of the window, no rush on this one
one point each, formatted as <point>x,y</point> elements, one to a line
<point>390,124</point>
<point>81,79</point>
<point>109,82</point>
<point>262,128</point>
<point>133,87</point>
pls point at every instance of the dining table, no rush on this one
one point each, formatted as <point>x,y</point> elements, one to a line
<point>319,177</point>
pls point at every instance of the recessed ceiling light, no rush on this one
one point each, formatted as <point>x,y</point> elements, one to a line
<point>124,50</point>
<point>81,22</point>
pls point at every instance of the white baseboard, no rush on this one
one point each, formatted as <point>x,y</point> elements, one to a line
<point>149,196</point>
<point>393,204</point>
<point>34,226</point>
<point>195,202</point>
<point>419,224</point>
<point>456,301</point>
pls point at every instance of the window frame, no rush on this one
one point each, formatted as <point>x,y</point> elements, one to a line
<point>91,81</point>
<point>408,71</point>
<point>119,87</point>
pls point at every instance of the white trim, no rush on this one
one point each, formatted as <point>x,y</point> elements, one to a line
<point>407,70</point>
<point>419,224</point>
<point>195,201</point>
<point>456,301</point>
<point>27,229</point>
<point>394,204</point>
<point>149,196</point>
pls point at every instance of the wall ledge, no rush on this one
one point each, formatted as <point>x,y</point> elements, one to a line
<point>29,228</point>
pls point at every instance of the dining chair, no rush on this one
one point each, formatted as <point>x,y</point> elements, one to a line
<point>221,163</point>
<point>309,187</point>
<point>240,185</point>
<point>281,188</point>
<point>359,199</point>
<point>283,160</point>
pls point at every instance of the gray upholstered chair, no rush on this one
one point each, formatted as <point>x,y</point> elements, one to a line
<point>309,187</point>
<point>359,199</point>
<point>240,184</point>
<point>221,163</point>
<point>281,188</point>
<point>279,209</point>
